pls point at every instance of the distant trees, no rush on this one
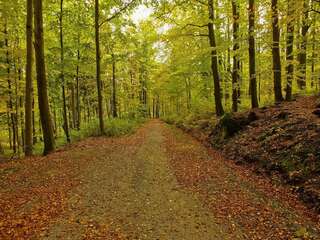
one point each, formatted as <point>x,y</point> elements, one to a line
<point>188,57</point>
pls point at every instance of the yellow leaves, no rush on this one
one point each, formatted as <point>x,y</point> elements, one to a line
<point>302,233</point>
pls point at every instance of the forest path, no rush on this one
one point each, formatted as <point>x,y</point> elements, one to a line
<point>128,191</point>
<point>158,183</point>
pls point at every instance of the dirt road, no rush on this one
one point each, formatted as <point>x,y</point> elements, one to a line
<point>158,183</point>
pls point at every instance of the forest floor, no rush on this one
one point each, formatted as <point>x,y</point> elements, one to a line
<point>280,142</point>
<point>158,183</point>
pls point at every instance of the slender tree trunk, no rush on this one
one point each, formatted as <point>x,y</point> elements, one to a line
<point>98,73</point>
<point>78,86</point>
<point>10,101</point>
<point>313,74</point>
<point>73,107</point>
<point>252,56</point>
<point>9,126</point>
<point>114,88</point>
<point>17,106</point>
<point>302,56</point>
<point>46,122</point>
<point>276,52</point>
<point>158,107</point>
<point>29,88</point>
<point>289,53</point>
<point>55,121</point>
<point>34,132</point>
<point>214,60</point>
<point>188,93</point>
<point>65,115</point>
<point>236,61</point>
<point>22,124</point>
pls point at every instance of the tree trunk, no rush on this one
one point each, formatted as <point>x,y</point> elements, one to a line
<point>9,126</point>
<point>65,116</point>
<point>114,88</point>
<point>188,93</point>
<point>313,73</point>
<point>78,87</point>
<point>47,129</point>
<point>289,53</point>
<point>29,88</point>
<point>10,101</point>
<point>73,107</point>
<point>98,73</point>
<point>17,77</point>
<point>276,52</point>
<point>236,61</point>
<point>252,56</point>
<point>302,56</point>
<point>34,132</point>
<point>214,61</point>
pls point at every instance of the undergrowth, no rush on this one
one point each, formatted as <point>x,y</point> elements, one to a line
<point>113,128</point>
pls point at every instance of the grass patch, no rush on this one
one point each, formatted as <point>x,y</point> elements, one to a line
<point>113,128</point>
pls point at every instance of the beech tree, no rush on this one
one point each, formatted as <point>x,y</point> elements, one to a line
<point>276,52</point>
<point>252,55</point>
<point>214,60</point>
<point>65,116</point>
<point>29,87</point>
<point>289,45</point>
<point>101,61</point>
<point>45,116</point>
<point>236,59</point>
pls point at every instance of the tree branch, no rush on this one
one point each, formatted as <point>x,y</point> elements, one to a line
<point>116,14</point>
<point>316,11</point>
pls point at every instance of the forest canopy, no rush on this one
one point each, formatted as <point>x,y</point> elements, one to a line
<point>68,66</point>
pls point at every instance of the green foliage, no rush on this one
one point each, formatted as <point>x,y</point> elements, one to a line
<point>162,63</point>
<point>113,128</point>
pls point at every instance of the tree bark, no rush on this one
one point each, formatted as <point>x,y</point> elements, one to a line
<point>313,67</point>
<point>29,88</point>
<point>47,128</point>
<point>289,52</point>
<point>34,132</point>
<point>276,52</point>
<point>73,107</point>
<point>114,88</point>
<point>98,73</point>
<point>10,100</point>
<point>214,60</point>
<point>252,56</point>
<point>64,102</point>
<point>236,60</point>
<point>9,126</point>
<point>78,87</point>
<point>302,56</point>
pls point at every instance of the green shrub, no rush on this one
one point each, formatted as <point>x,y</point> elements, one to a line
<point>113,127</point>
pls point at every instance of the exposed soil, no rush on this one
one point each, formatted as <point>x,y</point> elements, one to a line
<point>158,183</point>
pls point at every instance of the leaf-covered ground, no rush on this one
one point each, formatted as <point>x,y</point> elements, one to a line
<point>284,143</point>
<point>158,183</point>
